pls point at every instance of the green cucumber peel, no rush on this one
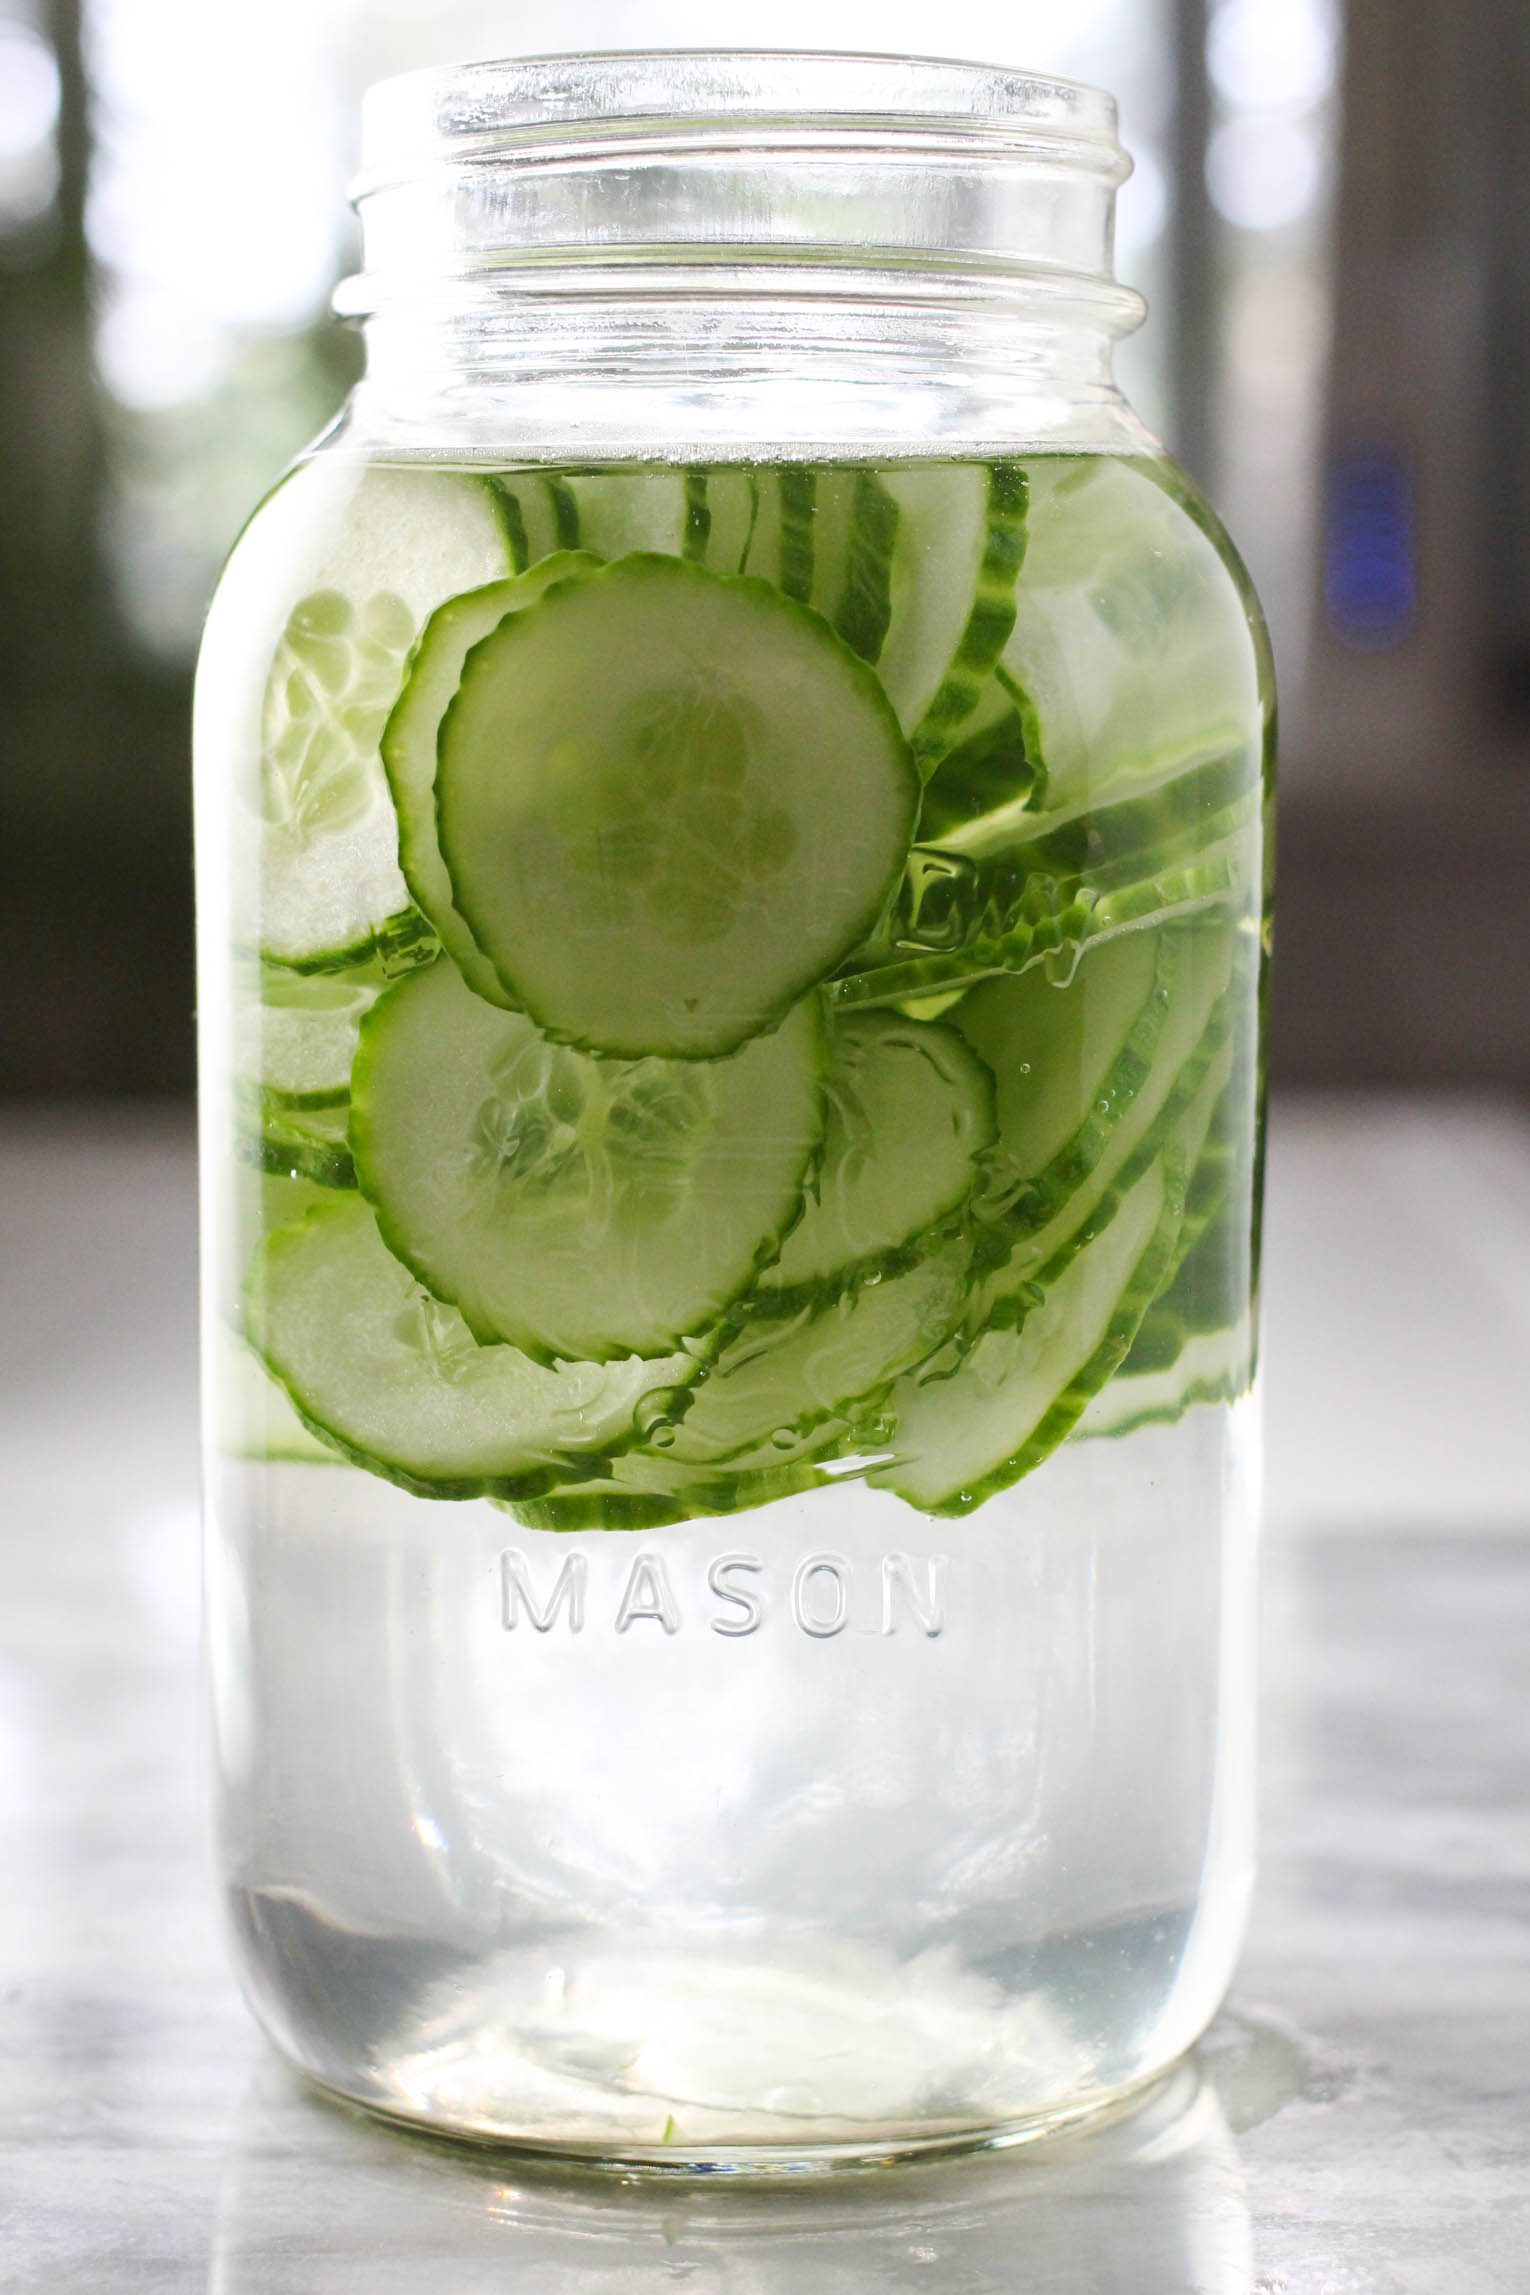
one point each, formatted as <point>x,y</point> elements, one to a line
<point>864,612</point>
<point>1210,1367</point>
<point>294,1143</point>
<point>1039,918</point>
<point>990,770</point>
<point>989,621</point>
<point>642,1493</point>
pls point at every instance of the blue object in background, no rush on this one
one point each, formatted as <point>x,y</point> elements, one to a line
<point>1370,574</point>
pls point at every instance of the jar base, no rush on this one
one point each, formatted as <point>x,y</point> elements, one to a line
<point>756,2162</point>
<point>702,2057</point>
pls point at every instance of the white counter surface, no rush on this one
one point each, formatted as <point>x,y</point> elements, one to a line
<point>1358,2122</point>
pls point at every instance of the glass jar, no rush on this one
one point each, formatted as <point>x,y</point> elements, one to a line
<point>731,800</point>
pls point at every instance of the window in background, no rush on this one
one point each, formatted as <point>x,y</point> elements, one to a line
<point>29,116</point>
<point>216,222</point>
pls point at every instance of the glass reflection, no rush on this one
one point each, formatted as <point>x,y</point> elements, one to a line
<point>318,2200</point>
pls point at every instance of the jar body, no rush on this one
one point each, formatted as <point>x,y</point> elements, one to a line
<point>731,980</point>
<point>822,1815</point>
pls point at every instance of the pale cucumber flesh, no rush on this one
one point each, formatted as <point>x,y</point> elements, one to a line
<point>364,559</point>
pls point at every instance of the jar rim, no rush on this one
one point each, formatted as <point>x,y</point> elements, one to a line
<point>413,118</point>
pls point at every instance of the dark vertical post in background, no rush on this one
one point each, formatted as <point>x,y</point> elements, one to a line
<point>95,925</point>
<point>1193,355</point>
<point>50,473</point>
<point>1504,577</point>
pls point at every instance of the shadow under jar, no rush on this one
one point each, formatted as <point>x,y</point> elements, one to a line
<point>732,790</point>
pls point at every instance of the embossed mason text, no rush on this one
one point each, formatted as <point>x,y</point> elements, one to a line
<point>735,1594</point>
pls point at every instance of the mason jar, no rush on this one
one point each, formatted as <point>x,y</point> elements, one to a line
<point>731,790</point>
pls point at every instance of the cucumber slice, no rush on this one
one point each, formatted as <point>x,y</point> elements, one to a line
<point>783,546</point>
<point>252,1413</point>
<point>540,515</point>
<point>1054,1165</point>
<point>640,1492</point>
<point>915,565</point>
<point>910,1112</point>
<point>1068,1059</point>
<point>620,511</point>
<point>294,1143</point>
<point>961,544</point>
<point>977,886</point>
<point>1214,1367</point>
<point>1211,1285</point>
<point>395,1380</point>
<point>959,928</point>
<point>864,611</point>
<point>990,771</point>
<point>723,507</point>
<point>359,561</point>
<point>636,814</point>
<point>1199,803</point>
<point>296,1038</point>
<point>964,1433</point>
<point>1130,636</point>
<point>408,745</point>
<point>578,1208</point>
<point>969,1428</point>
<point>777,1413</point>
<point>787,1377</point>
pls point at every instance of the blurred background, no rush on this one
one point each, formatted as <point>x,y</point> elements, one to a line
<point>1328,215</point>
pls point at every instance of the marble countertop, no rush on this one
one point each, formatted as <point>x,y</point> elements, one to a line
<point>1356,2123</point>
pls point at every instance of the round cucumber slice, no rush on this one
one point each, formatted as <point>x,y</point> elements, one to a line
<point>395,1379</point>
<point>409,746</point>
<point>911,1109</point>
<point>669,801</point>
<point>582,1209</point>
<point>305,654</point>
